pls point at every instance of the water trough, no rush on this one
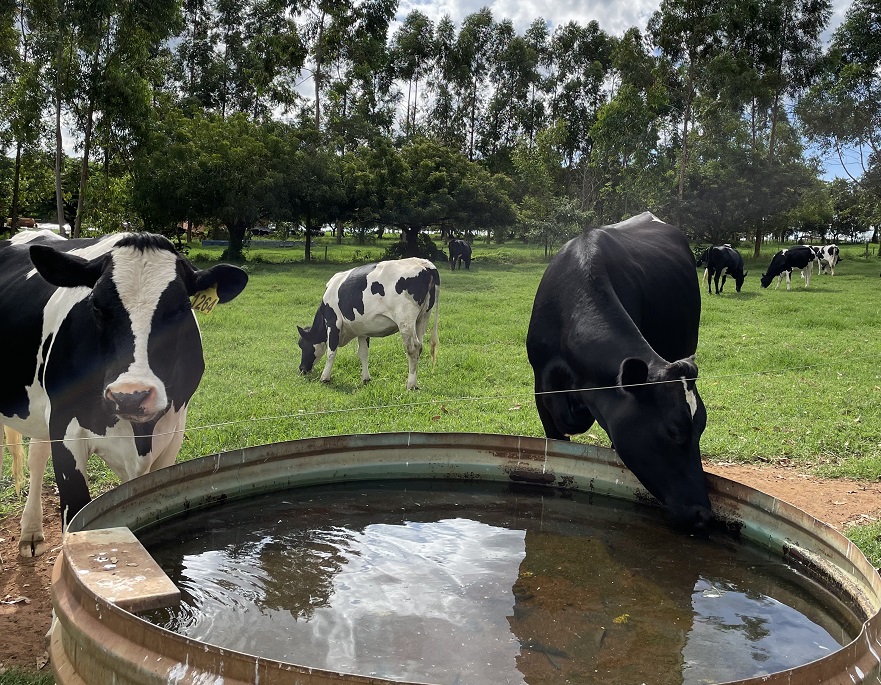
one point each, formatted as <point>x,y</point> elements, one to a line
<point>103,574</point>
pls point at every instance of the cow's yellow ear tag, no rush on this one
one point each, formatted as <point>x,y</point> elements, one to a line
<point>206,300</point>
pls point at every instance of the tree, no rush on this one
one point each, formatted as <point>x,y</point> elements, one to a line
<point>687,33</point>
<point>411,50</point>
<point>842,110</point>
<point>206,168</point>
<point>306,187</point>
<point>426,184</point>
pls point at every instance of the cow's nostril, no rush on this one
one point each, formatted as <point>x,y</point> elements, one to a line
<point>129,402</point>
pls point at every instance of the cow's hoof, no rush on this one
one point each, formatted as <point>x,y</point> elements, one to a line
<point>325,380</point>
<point>412,387</point>
<point>33,546</point>
<point>365,381</point>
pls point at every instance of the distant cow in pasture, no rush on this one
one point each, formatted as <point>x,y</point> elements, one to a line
<point>373,301</point>
<point>799,257</point>
<point>828,256</point>
<point>104,360</point>
<point>612,338</point>
<point>460,251</point>
<point>724,261</point>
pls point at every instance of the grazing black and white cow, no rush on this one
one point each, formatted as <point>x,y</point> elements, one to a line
<point>799,257</point>
<point>460,251</point>
<point>612,338</point>
<point>106,355</point>
<point>373,301</point>
<point>724,261</point>
<point>828,256</point>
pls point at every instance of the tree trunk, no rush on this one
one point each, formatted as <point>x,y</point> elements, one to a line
<point>411,236</point>
<point>308,227</point>
<point>16,182</point>
<point>59,145</point>
<point>87,144</point>
<point>235,252</point>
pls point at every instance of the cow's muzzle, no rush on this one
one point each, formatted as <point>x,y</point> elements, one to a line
<point>134,404</point>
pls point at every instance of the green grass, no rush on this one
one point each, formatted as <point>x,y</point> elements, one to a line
<point>786,376</point>
<point>17,676</point>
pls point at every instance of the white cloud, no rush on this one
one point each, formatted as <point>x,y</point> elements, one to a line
<point>613,17</point>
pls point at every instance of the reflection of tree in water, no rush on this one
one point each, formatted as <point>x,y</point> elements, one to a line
<point>585,613</point>
<point>300,569</point>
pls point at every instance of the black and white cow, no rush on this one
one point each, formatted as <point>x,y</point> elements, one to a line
<point>373,301</point>
<point>799,257</point>
<point>828,256</point>
<point>460,251</point>
<point>107,354</point>
<point>612,338</point>
<point>724,261</point>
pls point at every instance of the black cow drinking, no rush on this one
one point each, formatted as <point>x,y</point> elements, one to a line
<point>612,338</point>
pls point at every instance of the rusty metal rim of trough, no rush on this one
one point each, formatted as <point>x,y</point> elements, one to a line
<point>93,635</point>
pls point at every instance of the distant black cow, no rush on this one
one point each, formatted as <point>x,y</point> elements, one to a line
<point>828,256</point>
<point>783,262</point>
<point>612,338</point>
<point>460,251</point>
<point>373,301</point>
<point>102,354</point>
<point>724,261</point>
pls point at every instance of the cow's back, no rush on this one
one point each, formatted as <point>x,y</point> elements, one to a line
<point>639,273</point>
<point>23,298</point>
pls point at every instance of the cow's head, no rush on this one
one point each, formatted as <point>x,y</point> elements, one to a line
<point>146,340</point>
<point>775,268</point>
<point>656,432</point>
<point>739,279</point>
<point>313,344</point>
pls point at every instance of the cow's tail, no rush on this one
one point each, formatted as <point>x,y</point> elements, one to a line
<point>434,338</point>
<point>15,443</point>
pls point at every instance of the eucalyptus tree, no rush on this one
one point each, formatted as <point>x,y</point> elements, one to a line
<point>445,118</point>
<point>115,39</point>
<point>842,110</point>
<point>687,34</point>
<point>361,100</point>
<point>21,93</point>
<point>626,135</point>
<point>775,46</point>
<point>513,73</point>
<point>411,48</point>
<point>472,56</point>
<point>580,60</point>
<point>537,39</point>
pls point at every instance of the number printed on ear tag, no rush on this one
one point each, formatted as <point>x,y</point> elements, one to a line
<point>205,300</point>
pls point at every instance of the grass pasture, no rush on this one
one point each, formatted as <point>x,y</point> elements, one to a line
<point>786,376</point>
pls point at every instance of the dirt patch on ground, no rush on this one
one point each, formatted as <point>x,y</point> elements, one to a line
<point>26,608</point>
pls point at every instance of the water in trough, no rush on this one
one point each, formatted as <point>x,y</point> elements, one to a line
<point>457,582</point>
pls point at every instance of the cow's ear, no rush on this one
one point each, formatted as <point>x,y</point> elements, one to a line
<point>302,332</point>
<point>745,274</point>
<point>230,281</point>
<point>65,270</point>
<point>633,372</point>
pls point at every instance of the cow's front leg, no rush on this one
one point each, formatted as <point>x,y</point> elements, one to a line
<point>413,347</point>
<point>328,365</point>
<point>32,542</point>
<point>363,349</point>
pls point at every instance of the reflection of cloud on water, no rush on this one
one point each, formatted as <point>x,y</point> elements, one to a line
<point>764,634</point>
<point>415,594</point>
